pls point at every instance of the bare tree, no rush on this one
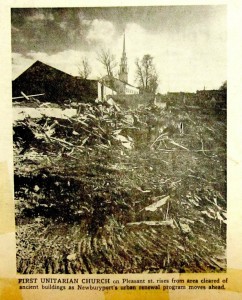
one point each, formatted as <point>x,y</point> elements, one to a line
<point>107,59</point>
<point>146,75</point>
<point>84,68</point>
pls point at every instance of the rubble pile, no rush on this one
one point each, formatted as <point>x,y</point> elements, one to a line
<point>114,191</point>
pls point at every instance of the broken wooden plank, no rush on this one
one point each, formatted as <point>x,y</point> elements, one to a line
<point>24,96</point>
<point>176,144</point>
<point>28,96</point>
<point>158,138</point>
<point>157,204</point>
<point>61,141</point>
<point>153,223</point>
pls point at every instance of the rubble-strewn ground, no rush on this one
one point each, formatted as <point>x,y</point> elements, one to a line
<point>112,191</point>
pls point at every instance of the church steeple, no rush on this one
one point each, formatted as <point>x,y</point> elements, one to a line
<point>124,46</point>
<point>123,71</point>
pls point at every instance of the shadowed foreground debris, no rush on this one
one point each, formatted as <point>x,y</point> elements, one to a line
<point>112,191</point>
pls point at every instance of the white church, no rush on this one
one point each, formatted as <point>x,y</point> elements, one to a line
<point>110,85</point>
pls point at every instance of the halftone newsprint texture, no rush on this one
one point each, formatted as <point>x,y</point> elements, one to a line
<point>119,140</point>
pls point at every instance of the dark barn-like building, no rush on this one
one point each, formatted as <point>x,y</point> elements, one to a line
<point>57,86</point>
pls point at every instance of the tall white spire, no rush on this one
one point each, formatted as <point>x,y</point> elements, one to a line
<point>124,44</point>
<point>123,71</point>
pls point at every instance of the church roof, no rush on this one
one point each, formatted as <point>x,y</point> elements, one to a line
<point>107,80</point>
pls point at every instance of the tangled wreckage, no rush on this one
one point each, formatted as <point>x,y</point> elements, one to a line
<point>103,189</point>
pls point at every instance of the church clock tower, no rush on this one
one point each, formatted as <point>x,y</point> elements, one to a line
<point>123,71</point>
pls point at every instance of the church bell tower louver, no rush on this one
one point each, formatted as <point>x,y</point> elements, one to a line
<point>123,71</point>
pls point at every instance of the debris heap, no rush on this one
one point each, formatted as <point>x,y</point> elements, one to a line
<point>113,191</point>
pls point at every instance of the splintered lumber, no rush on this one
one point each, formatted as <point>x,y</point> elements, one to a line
<point>62,141</point>
<point>158,139</point>
<point>103,187</point>
<point>157,204</point>
<point>28,96</point>
<point>215,263</point>
<point>176,144</point>
<point>153,223</point>
<point>91,132</point>
<point>25,96</point>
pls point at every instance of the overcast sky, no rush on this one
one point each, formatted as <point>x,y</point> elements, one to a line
<point>188,43</point>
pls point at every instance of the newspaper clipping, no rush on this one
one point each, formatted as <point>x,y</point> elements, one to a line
<point>120,163</point>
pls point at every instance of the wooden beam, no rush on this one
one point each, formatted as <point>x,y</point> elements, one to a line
<point>28,96</point>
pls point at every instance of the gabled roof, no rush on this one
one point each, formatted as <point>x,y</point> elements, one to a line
<point>40,66</point>
<point>107,79</point>
<point>127,83</point>
<point>55,84</point>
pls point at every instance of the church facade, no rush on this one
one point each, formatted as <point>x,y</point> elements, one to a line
<point>109,85</point>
